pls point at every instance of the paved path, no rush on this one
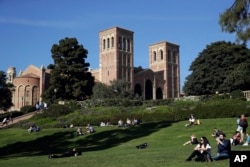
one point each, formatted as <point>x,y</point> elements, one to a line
<point>20,118</point>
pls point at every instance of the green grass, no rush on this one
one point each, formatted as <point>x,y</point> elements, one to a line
<point>112,146</point>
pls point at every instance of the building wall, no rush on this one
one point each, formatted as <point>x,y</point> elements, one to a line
<point>28,85</point>
<point>116,55</point>
<point>164,56</point>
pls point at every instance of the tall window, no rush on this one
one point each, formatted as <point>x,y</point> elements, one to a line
<point>104,44</point>
<point>27,93</point>
<point>161,53</point>
<point>124,44</point>
<point>174,57</point>
<point>169,56</point>
<point>129,60</point>
<point>120,43</point>
<point>154,54</point>
<point>128,45</point>
<point>112,41</point>
<point>108,43</point>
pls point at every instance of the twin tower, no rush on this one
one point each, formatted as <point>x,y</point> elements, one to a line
<point>116,62</point>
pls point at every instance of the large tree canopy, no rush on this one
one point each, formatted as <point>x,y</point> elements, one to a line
<point>221,67</point>
<point>70,78</point>
<point>236,19</point>
<point>5,93</point>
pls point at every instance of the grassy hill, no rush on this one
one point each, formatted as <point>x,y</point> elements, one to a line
<point>112,146</point>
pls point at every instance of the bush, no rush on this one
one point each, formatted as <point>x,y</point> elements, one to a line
<point>57,110</point>
<point>27,109</point>
<point>175,111</point>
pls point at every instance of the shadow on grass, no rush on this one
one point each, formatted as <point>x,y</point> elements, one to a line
<point>63,141</point>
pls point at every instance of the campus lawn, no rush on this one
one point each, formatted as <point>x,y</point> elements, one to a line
<point>112,146</point>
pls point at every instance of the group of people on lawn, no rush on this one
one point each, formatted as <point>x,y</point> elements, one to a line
<point>89,129</point>
<point>202,150</point>
<point>128,122</point>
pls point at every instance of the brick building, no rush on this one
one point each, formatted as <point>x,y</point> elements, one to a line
<point>116,55</point>
<point>29,85</point>
<point>116,62</point>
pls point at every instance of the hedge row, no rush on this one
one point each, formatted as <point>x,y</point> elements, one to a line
<point>61,115</point>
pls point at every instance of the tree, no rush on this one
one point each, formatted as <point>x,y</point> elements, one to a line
<point>101,91</point>
<point>121,89</point>
<point>117,89</point>
<point>221,67</point>
<point>236,19</point>
<point>5,93</point>
<point>70,78</point>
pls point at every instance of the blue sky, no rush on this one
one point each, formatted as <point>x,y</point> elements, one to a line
<point>29,28</point>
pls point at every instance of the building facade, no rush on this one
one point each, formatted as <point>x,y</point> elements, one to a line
<point>116,62</point>
<point>28,85</point>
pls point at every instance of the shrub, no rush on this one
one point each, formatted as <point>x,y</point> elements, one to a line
<point>57,110</point>
<point>27,109</point>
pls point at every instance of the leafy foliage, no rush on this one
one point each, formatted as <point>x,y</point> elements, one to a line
<point>70,78</point>
<point>221,67</point>
<point>118,89</point>
<point>5,92</point>
<point>236,19</point>
<point>27,109</point>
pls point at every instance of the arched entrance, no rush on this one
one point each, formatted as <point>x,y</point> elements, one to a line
<point>159,94</point>
<point>148,90</point>
<point>137,90</point>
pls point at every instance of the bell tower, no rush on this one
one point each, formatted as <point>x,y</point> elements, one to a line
<point>164,59</point>
<point>116,55</point>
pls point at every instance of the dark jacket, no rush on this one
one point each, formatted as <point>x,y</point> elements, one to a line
<point>225,147</point>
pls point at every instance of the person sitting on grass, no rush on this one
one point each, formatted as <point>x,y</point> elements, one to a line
<point>70,153</point>
<point>223,148</point>
<point>202,151</point>
<point>247,140</point>
<point>79,131</point>
<point>216,133</point>
<point>191,120</point>
<point>236,138</point>
<point>120,123</point>
<point>193,140</point>
<point>34,128</point>
<point>90,129</point>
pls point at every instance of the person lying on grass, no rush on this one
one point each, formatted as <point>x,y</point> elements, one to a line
<point>70,153</point>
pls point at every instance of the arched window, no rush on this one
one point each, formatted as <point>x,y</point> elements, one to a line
<point>108,43</point>
<point>161,53</point>
<point>104,44</point>
<point>154,54</point>
<point>112,41</point>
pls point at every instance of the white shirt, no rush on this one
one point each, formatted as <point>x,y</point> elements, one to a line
<point>208,148</point>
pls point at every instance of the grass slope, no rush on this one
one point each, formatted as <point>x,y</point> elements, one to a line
<point>112,146</point>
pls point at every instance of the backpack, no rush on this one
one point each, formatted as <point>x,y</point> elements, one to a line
<point>243,123</point>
